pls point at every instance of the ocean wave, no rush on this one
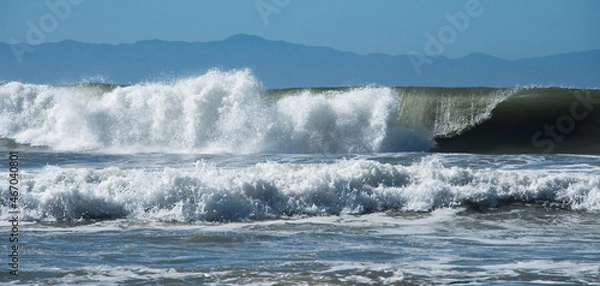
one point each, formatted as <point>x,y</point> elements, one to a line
<point>273,190</point>
<point>218,112</point>
<point>230,112</point>
<point>534,120</point>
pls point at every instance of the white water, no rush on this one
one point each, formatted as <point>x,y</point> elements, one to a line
<point>219,112</point>
<point>424,218</point>
<point>273,190</point>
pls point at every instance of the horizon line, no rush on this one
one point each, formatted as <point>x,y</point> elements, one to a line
<point>296,44</point>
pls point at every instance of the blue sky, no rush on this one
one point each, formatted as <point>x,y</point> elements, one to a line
<point>508,29</point>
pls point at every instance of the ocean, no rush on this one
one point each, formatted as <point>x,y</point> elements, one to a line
<point>215,180</point>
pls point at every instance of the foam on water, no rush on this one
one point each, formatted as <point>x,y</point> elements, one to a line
<point>214,113</point>
<point>446,246</point>
<point>230,112</point>
<point>273,190</point>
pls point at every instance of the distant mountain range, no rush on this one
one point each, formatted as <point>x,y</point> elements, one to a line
<point>282,65</point>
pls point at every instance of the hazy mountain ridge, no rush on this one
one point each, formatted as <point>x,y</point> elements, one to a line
<point>280,64</point>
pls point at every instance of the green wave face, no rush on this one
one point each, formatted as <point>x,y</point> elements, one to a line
<point>497,120</point>
<point>535,120</point>
<point>229,112</point>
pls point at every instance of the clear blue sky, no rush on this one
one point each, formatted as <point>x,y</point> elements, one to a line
<point>508,29</point>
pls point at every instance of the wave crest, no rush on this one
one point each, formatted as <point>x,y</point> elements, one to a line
<point>214,113</point>
<point>274,190</point>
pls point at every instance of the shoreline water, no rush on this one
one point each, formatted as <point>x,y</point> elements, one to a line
<point>517,244</point>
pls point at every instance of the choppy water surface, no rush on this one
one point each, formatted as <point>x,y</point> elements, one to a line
<point>394,218</point>
<point>214,180</point>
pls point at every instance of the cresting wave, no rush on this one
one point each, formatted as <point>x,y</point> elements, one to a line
<point>274,190</point>
<point>229,112</point>
<point>219,112</point>
<point>534,120</point>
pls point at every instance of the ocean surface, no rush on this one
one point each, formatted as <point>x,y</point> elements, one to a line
<point>216,180</point>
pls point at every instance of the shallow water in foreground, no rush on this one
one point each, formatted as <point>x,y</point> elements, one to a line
<point>394,218</point>
<point>517,244</point>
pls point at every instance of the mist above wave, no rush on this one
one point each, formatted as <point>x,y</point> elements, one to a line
<point>213,113</point>
<point>230,112</point>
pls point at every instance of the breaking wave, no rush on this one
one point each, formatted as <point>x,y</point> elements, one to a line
<point>230,112</point>
<point>218,112</point>
<point>274,190</point>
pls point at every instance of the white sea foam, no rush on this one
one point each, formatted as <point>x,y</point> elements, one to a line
<point>271,190</point>
<point>214,113</point>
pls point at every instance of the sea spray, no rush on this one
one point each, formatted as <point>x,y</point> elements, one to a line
<point>214,113</point>
<point>229,112</point>
<point>271,190</point>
